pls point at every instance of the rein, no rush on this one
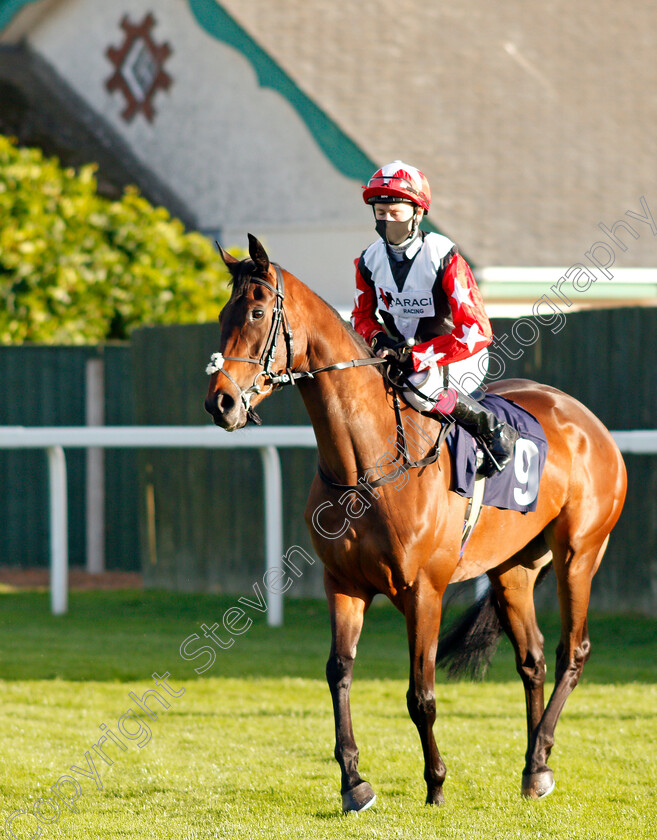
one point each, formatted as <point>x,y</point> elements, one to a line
<point>290,377</point>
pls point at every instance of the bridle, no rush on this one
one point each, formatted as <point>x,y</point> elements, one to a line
<point>267,356</point>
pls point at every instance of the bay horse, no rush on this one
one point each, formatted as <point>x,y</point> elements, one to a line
<point>405,542</point>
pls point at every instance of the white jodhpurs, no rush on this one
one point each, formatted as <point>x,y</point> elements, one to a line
<point>464,377</point>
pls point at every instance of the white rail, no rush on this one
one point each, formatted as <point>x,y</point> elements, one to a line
<point>267,439</point>
<point>637,442</point>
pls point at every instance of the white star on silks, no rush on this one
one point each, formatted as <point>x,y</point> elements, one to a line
<point>470,336</point>
<point>462,295</point>
<point>427,358</point>
<point>359,292</point>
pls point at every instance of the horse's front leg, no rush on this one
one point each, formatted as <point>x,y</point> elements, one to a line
<point>347,612</point>
<point>423,611</point>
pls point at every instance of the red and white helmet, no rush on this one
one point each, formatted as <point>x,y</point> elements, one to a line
<point>397,181</point>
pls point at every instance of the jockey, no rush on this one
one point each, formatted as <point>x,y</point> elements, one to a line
<point>424,290</point>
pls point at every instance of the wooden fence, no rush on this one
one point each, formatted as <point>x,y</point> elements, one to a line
<point>207,507</point>
<point>193,520</point>
<point>605,358</point>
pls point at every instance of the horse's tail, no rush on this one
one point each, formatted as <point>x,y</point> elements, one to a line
<point>467,647</point>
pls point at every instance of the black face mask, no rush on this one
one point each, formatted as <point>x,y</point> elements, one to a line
<point>394,233</point>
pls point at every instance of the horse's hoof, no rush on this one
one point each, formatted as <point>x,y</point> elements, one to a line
<point>358,799</point>
<point>537,785</point>
<point>435,798</point>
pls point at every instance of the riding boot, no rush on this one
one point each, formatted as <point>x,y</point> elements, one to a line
<point>498,437</point>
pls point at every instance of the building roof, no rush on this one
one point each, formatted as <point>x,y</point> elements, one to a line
<point>533,121</point>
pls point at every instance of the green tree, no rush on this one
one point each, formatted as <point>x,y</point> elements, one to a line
<point>77,268</point>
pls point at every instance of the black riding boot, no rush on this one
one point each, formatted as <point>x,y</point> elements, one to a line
<point>498,436</point>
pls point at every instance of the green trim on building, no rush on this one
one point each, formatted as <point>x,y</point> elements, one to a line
<point>343,153</point>
<point>10,8</point>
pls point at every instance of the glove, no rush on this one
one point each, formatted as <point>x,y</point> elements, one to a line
<point>383,345</point>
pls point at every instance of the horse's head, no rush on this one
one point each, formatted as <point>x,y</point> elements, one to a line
<point>256,342</point>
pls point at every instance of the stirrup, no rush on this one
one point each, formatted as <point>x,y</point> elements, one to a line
<point>487,463</point>
<point>496,461</point>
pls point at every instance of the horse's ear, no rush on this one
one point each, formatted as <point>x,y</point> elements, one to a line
<point>258,255</point>
<point>229,259</point>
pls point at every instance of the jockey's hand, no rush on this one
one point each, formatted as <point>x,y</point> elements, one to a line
<point>384,346</point>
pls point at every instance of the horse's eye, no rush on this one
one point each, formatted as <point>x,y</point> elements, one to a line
<point>257,313</point>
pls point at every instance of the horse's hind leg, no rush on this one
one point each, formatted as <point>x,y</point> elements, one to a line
<point>575,569</point>
<point>347,612</point>
<point>514,592</point>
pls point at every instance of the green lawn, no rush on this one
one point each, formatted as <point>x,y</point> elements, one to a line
<point>246,751</point>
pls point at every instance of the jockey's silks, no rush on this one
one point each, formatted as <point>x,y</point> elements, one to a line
<point>415,299</point>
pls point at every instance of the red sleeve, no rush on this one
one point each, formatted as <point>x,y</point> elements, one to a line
<point>472,331</point>
<point>363,317</point>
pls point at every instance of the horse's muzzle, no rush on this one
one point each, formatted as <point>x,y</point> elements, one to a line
<point>225,410</point>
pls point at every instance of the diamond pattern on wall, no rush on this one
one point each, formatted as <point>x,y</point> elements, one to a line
<point>138,64</point>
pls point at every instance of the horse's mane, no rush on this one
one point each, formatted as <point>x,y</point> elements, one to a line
<point>241,280</point>
<point>356,337</point>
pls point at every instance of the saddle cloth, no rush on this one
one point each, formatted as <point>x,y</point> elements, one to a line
<point>516,487</point>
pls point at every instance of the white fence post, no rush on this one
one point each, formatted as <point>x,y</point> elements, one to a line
<point>58,530</point>
<point>271,465</point>
<point>266,439</point>
<point>482,585</point>
<point>54,439</point>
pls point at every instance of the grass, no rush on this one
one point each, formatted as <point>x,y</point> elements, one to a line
<point>246,751</point>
